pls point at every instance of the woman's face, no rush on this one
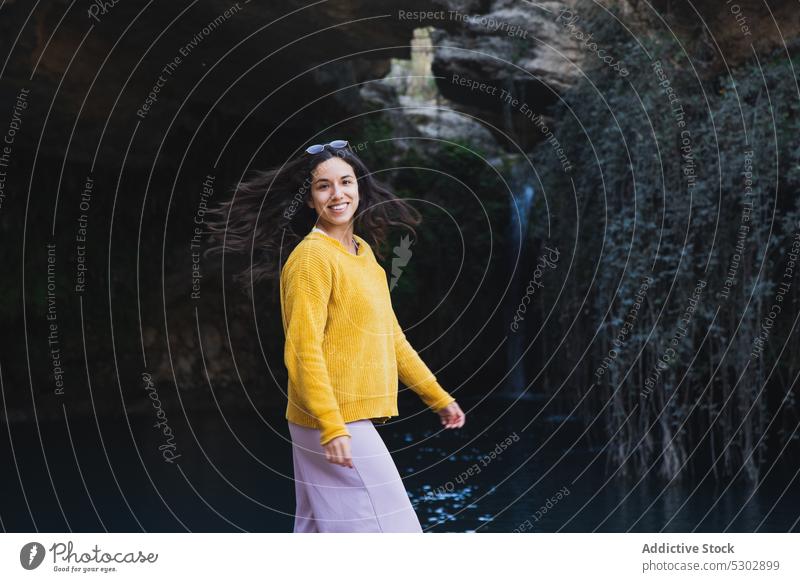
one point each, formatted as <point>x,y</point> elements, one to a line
<point>334,192</point>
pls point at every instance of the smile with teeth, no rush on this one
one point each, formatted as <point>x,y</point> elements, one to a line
<point>339,207</point>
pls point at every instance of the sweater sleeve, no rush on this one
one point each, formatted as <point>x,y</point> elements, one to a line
<point>415,374</point>
<point>306,290</point>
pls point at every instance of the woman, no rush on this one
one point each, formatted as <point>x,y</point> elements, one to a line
<point>344,346</point>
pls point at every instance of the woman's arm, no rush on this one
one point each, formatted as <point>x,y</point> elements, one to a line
<point>306,285</point>
<point>415,374</point>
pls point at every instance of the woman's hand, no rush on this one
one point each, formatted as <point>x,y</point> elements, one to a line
<point>337,451</point>
<point>452,416</point>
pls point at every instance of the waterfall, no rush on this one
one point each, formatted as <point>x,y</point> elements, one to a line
<point>522,200</point>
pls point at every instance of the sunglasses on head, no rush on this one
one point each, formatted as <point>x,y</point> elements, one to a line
<point>336,144</point>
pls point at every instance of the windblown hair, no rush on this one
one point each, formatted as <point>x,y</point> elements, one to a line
<point>267,215</point>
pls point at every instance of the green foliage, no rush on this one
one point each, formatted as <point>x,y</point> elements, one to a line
<point>638,215</point>
<point>462,202</point>
<point>376,133</point>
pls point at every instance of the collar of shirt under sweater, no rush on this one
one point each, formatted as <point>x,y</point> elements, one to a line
<point>357,238</point>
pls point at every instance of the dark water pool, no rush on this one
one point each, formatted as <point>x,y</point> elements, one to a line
<point>234,473</point>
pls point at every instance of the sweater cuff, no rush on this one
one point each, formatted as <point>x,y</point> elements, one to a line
<point>439,406</point>
<point>434,396</point>
<point>331,426</point>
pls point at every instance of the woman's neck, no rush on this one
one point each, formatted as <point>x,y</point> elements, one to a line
<point>343,235</point>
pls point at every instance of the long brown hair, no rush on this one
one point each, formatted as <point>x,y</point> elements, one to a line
<point>267,215</point>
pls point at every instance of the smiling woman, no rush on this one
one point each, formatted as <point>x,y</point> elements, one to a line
<point>344,347</point>
<point>269,214</point>
<point>334,197</point>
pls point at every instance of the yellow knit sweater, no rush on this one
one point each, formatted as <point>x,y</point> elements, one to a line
<point>344,346</point>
